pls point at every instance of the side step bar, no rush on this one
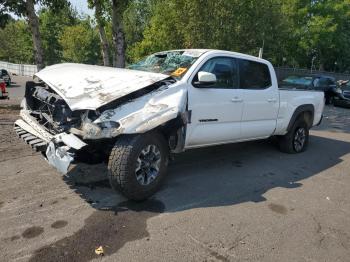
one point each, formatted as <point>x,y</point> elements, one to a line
<point>35,142</point>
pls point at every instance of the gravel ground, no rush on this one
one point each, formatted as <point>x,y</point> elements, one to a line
<point>239,202</point>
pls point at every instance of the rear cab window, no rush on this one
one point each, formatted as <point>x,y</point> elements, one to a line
<point>254,75</point>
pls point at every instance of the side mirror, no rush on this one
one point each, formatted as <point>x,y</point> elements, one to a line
<point>205,79</point>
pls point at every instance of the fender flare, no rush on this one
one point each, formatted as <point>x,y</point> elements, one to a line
<point>298,111</point>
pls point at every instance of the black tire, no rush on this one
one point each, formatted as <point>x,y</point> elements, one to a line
<point>123,162</point>
<point>329,99</point>
<point>289,144</point>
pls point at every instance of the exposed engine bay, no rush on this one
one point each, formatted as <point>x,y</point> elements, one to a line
<point>49,109</point>
<point>52,112</point>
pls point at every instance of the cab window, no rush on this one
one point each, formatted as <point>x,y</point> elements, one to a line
<point>225,69</point>
<point>253,75</point>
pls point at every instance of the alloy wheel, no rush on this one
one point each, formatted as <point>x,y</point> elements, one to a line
<point>148,165</point>
<point>299,139</point>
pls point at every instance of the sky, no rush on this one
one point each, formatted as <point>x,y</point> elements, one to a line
<point>81,6</point>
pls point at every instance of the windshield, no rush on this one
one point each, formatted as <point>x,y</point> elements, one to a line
<point>297,80</point>
<point>174,63</point>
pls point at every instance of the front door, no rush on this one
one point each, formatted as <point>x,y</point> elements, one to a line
<point>216,110</point>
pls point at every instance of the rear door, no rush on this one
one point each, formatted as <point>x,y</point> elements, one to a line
<point>260,99</point>
<point>216,110</point>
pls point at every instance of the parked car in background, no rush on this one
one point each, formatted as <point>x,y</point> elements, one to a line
<point>5,75</point>
<point>3,92</point>
<point>323,83</point>
<point>343,98</point>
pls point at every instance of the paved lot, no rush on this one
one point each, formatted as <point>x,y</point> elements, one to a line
<point>16,90</point>
<point>240,202</point>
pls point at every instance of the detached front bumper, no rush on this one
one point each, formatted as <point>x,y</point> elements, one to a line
<point>59,149</point>
<point>59,157</point>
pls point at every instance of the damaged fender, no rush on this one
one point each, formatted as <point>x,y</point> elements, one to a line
<point>149,111</point>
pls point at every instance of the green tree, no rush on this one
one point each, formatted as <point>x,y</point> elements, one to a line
<point>16,45</point>
<point>111,10</point>
<point>222,24</point>
<point>324,32</point>
<point>80,44</point>
<point>52,24</point>
<point>4,19</point>
<point>136,19</point>
<point>101,16</point>
<point>161,32</point>
<point>118,34</point>
<point>26,8</point>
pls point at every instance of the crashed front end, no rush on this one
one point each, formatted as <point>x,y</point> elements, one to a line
<point>45,124</point>
<point>59,149</point>
<point>86,134</point>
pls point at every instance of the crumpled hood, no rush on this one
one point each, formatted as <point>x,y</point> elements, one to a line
<point>90,87</point>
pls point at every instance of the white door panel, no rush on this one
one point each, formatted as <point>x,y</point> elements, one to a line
<point>260,104</point>
<point>213,133</point>
<point>215,118</point>
<point>216,110</point>
<point>257,129</point>
<point>260,110</point>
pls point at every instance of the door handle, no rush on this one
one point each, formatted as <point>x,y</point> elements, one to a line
<point>236,100</point>
<point>272,100</point>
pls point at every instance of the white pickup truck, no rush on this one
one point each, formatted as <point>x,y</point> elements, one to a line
<point>171,101</point>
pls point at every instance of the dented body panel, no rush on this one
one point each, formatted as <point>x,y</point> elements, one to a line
<point>149,111</point>
<point>90,87</point>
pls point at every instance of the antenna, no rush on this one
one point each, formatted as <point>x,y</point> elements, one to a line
<point>261,50</point>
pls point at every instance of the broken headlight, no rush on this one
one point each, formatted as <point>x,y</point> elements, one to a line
<point>100,130</point>
<point>108,124</point>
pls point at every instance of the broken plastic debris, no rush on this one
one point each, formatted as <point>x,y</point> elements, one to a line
<point>99,251</point>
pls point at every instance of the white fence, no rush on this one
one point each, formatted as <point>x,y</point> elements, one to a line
<point>19,69</point>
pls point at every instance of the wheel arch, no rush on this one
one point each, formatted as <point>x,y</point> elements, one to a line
<point>306,111</point>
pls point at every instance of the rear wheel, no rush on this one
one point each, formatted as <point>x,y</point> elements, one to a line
<point>297,139</point>
<point>137,165</point>
<point>328,99</point>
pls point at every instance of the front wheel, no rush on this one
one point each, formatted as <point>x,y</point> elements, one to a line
<point>297,139</point>
<point>137,165</point>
